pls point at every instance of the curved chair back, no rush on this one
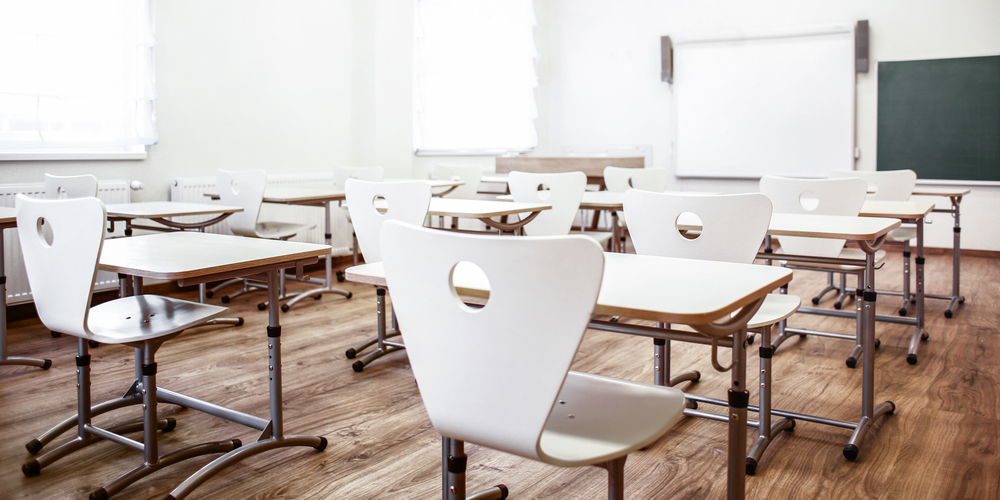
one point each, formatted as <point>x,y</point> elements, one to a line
<point>562,190</point>
<point>470,175</point>
<point>404,201</point>
<point>733,226</point>
<point>370,174</point>
<point>619,180</point>
<point>814,196</point>
<point>242,188</point>
<point>491,375</point>
<point>887,185</point>
<point>60,187</point>
<point>61,271</point>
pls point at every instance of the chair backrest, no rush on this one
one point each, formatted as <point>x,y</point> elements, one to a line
<point>471,175</point>
<point>405,201</point>
<point>733,226</point>
<point>61,270</point>
<point>242,188</point>
<point>562,190</point>
<point>59,187</point>
<point>619,179</point>
<point>814,196</point>
<point>887,185</point>
<point>370,174</point>
<point>491,376</point>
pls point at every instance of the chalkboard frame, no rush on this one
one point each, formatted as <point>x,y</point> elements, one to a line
<point>952,139</point>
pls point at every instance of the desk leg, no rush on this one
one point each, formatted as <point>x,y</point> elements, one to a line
<point>869,412</point>
<point>328,284</point>
<point>956,263</point>
<point>14,360</point>
<point>739,399</point>
<point>273,436</point>
<point>919,333</point>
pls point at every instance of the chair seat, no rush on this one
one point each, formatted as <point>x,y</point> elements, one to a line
<point>591,426</point>
<point>845,253</point>
<point>903,233</point>
<point>280,230</point>
<point>145,317</point>
<point>775,308</point>
<point>601,237</point>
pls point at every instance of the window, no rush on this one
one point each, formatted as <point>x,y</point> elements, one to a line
<point>474,77</point>
<point>76,80</point>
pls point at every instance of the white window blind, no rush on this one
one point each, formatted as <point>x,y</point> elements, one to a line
<point>76,78</point>
<point>474,76</point>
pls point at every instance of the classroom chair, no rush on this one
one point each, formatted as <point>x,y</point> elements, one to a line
<point>821,197</point>
<point>61,272</point>
<point>619,180</point>
<point>704,227</point>
<point>471,176</point>
<point>404,201</point>
<point>60,187</point>
<point>887,185</point>
<point>245,188</point>
<point>562,190</point>
<point>340,176</point>
<point>498,375</point>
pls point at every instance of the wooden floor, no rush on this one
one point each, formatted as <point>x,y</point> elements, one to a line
<point>942,442</point>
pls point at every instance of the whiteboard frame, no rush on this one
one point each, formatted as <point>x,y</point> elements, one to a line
<point>795,32</point>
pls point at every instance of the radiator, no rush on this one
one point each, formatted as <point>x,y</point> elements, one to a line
<point>18,291</point>
<point>193,189</point>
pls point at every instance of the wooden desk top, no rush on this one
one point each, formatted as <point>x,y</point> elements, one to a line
<point>896,209</point>
<point>680,291</point>
<point>8,217</point>
<point>831,226</point>
<point>453,207</point>
<point>182,255</point>
<point>161,209</point>
<point>940,191</point>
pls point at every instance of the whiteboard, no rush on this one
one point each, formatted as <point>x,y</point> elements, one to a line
<point>769,105</point>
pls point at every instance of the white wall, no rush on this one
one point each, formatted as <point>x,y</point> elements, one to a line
<point>600,62</point>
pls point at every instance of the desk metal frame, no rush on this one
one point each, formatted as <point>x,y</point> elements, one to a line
<point>8,221</point>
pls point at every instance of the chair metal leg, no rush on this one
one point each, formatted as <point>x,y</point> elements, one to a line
<point>907,297</point>
<point>616,478</point>
<point>383,345</point>
<point>827,289</point>
<point>453,466</point>
<point>661,367</point>
<point>765,429</point>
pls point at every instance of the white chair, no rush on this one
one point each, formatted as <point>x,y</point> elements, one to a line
<point>470,175</point>
<point>619,180</point>
<point>498,376</point>
<point>61,272</point>
<point>245,188</point>
<point>403,201</point>
<point>59,187</point>
<point>340,176</point>
<point>562,190</point>
<point>821,197</point>
<point>889,185</point>
<point>727,228</point>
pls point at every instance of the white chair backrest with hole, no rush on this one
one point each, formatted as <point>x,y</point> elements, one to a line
<point>888,185</point>
<point>370,174</point>
<point>58,187</point>
<point>470,175</point>
<point>61,272</point>
<point>619,180</point>
<point>405,201</point>
<point>733,226</point>
<point>490,376</point>
<point>242,188</point>
<point>562,190</point>
<point>814,196</point>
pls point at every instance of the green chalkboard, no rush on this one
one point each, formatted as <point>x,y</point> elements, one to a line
<point>940,117</point>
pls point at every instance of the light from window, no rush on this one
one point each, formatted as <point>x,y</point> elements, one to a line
<point>76,76</point>
<point>474,76</point>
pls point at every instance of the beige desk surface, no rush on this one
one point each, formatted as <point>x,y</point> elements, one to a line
<point>453,207</point>
<point>306,195</point>
<point>161,209</point>
<point>8,217</point>
<point>940,191</point>
<point>831,226</point>
<point>897,209</point>
<point>680,291</point>
<point>186,255</point>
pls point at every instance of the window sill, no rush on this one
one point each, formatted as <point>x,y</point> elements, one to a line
<point>29,155</point>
